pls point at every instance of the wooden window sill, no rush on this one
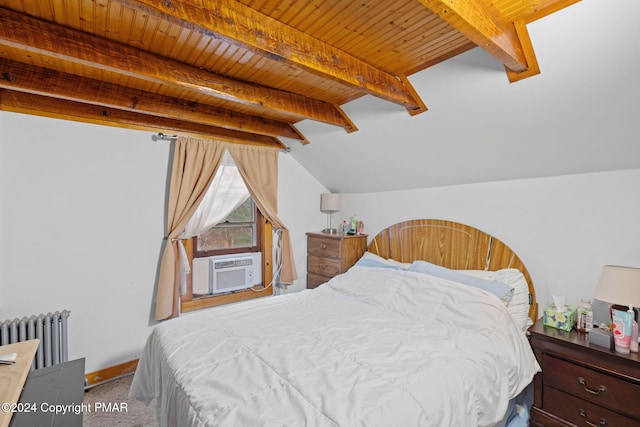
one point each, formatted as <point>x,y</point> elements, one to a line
<point>214,300</point>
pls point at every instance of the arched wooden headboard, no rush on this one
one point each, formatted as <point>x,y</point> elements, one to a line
<point>452,245</point>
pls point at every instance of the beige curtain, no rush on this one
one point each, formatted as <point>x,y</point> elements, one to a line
<point>259,168</point>
<point>194,165</point>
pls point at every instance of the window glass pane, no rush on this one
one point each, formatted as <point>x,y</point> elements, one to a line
<point>237,231</point>
<point>238,236</point>
<point>244,212</point>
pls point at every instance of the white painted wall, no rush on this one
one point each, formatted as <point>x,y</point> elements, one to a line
<point>563,228</point>
<point>81,227</point>
<point>299,208</point>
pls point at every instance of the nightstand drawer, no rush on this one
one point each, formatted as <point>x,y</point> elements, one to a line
<point>580,412</point>
<point>540,418</point>
<point>323,266</point>
<point>594,386</point>
<point>313,280</point>
<point>324,247</point>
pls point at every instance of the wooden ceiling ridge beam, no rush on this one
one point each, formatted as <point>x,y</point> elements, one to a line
<point>28,103</point>
<point>483,24</point>
<point>543,8</point>
<point>18,30</point>
<point>240,25</point>
<point>29,78</point>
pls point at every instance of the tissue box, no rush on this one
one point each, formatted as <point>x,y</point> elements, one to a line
<point>564,321</point>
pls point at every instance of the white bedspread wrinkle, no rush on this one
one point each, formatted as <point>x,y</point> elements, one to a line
<point>372,347</point>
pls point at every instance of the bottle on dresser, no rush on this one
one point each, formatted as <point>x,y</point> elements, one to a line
<point>585,315</point>
<point>634,333</point>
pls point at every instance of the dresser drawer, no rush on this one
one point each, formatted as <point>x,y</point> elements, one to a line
<point>580,412</point>
<point>540,418</point>
<point>324,247</point>
<point>594,386</point>
<point>331,254</point>
<point>323,266</point>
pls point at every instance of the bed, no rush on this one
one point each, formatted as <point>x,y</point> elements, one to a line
<point>400,339</point>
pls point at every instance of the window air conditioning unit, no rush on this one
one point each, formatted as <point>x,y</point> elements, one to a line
<point>226,273</point>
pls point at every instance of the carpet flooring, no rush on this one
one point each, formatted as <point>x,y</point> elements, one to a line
<point>111,407</point>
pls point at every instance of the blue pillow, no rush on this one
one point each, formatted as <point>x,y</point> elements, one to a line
<point>502,291</point>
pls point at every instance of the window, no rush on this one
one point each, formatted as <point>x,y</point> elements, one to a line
<point>244,229</point>
<point>263,243</point>
<point>239,232</point>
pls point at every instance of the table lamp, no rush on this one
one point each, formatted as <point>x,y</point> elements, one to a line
<point>329,203</point>
<point>620,286</point>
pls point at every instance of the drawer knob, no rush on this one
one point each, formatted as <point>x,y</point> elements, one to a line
<point>602,423</point>
<point>323,246</point>
<point>601,389</point>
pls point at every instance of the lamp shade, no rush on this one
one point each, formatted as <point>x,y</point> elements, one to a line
<point>619,285</point>
<point>330,202</point>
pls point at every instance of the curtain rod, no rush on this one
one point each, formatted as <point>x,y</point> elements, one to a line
<point>164,137</point>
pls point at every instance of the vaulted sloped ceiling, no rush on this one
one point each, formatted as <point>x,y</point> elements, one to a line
<point>247,70</point>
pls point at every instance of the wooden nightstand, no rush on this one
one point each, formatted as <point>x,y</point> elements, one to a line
<point>583,384</point>
<point>331,254</point>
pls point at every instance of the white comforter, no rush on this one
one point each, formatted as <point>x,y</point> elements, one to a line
<point>373,347</point>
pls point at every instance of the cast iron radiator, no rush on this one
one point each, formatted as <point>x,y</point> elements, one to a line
<point>50,329</point>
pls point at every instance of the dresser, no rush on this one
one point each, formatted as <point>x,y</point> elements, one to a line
<point>582,384</point>
<point>331,254</point>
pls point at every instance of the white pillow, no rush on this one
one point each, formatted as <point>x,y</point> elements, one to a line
<point>519,304</point>
<point>499,289</point>
<point>369,259</point>
<point>402,265</point>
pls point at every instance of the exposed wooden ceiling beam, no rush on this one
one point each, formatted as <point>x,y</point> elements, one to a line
<point>22,102</point>
<point>28,78</point>
<point>542,8</point>
<point>17,30</point>
<point>240,25</point>
<point>529,54</point>
<point>423,107</point>
<point>483,24</point>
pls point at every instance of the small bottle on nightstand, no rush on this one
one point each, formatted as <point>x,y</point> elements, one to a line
<point>585,315</point>
<point>634,333</point>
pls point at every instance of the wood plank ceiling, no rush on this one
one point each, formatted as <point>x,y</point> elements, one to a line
<point>242,70</point>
